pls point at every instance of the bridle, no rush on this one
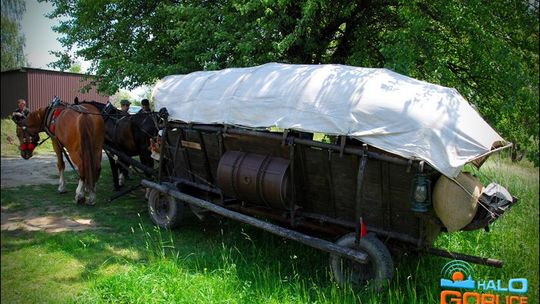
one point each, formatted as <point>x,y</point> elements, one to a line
<point>116,118</point>
<point>29,140</point>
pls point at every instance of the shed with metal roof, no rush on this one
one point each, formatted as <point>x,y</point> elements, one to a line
<point>39,86</point>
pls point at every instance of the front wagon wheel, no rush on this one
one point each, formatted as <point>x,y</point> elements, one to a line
<point>165,211</point>
<point>375,274</point>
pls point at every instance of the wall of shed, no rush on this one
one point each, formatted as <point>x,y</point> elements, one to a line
<point>44,85</point>
<point>38,87</point>
<point>14,87</point>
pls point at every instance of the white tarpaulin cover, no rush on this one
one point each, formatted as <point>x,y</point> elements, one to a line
<point>395,113</point>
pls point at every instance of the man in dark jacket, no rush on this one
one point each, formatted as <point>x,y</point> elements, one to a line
<point>145,106</point>
<point>124,105</point>
<point>20,113</point>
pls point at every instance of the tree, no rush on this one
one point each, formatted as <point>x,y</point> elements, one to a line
<point>118,96</point>
<point>488,50</point>
<point>75,68</point>
<point>12,40</point>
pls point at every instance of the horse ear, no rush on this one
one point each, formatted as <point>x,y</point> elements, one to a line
<point>163,113</point>
<point>76,100</point>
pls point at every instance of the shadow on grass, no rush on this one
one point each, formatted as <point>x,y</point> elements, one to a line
<point>257,266</point>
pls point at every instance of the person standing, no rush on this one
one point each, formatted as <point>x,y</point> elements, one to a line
<point>145,106</point>
<point>124,105</point>
<point>21,112</point>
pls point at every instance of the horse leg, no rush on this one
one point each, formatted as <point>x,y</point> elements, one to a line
<point>79,193</point>
<point>91,196</point>
<point>121,178</point>
<point>124,172</point>
<point>114,171</point>
<point>61,166</point>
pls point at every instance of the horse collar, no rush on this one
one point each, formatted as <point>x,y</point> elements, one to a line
<point>52,115</point>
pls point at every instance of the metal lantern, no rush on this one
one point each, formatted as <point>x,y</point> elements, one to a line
<point>421,193</point>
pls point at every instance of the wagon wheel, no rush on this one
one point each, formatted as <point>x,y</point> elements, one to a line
<point>165,211</point>
<point>375,274</point>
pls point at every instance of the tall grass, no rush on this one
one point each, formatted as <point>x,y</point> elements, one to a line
<point>128,260</point>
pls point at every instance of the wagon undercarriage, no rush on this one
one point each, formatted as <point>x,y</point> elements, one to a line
<point>312,191</point>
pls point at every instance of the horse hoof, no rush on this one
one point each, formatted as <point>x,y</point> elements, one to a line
<point>90,203</point>
<point>62,191</point>
<point>80,201</point>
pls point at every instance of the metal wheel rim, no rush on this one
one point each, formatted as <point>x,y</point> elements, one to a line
<point>161,207</point>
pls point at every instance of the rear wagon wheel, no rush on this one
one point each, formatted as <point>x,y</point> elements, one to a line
<point>165,211</point>
<point>374,275</point>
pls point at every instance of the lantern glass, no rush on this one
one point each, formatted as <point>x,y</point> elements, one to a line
<point>420,196</point>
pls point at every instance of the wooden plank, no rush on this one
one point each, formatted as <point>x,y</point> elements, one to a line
<point>203,150</point>
<point>344,173</point>
<point>317,191</point>
<point>329,180</point>
<point>191,145</point>
<point>385,198</point>
<point>372,195</point>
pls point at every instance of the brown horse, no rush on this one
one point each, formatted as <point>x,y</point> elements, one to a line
<point>77,128</point>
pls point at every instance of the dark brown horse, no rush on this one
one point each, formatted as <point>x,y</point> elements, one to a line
<point>77,128</point>
<point>129,134</point>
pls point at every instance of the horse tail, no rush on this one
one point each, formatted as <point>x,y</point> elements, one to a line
<point>92,138</point>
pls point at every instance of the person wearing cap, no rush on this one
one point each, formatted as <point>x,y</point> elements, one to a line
<point>145,106</point>
<point>124,105</point>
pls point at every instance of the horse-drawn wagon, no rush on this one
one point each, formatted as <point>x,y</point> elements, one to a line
<point>248,144</point>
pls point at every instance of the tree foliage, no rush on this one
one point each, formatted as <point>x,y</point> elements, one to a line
<point>12,40</point>
<point>488,50</point>
<point>75,68</point>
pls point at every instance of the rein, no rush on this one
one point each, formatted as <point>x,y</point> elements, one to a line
<point>43,141</point>
<point>152,115</point>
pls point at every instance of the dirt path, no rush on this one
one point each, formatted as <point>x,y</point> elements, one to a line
<point>40,169</point>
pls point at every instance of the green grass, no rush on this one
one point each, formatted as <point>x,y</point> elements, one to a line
<point>10,142</point>
<point>128,260</point>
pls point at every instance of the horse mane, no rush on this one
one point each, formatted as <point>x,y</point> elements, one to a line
<point>99,105</point>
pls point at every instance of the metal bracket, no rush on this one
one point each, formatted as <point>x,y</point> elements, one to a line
<point>284,138</point>
<point>342,145</point>
<point>292,173</point>
<point>359,184</point>
<point>409,165</point>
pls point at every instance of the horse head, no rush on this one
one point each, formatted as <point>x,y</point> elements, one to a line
<point>28,132</point>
